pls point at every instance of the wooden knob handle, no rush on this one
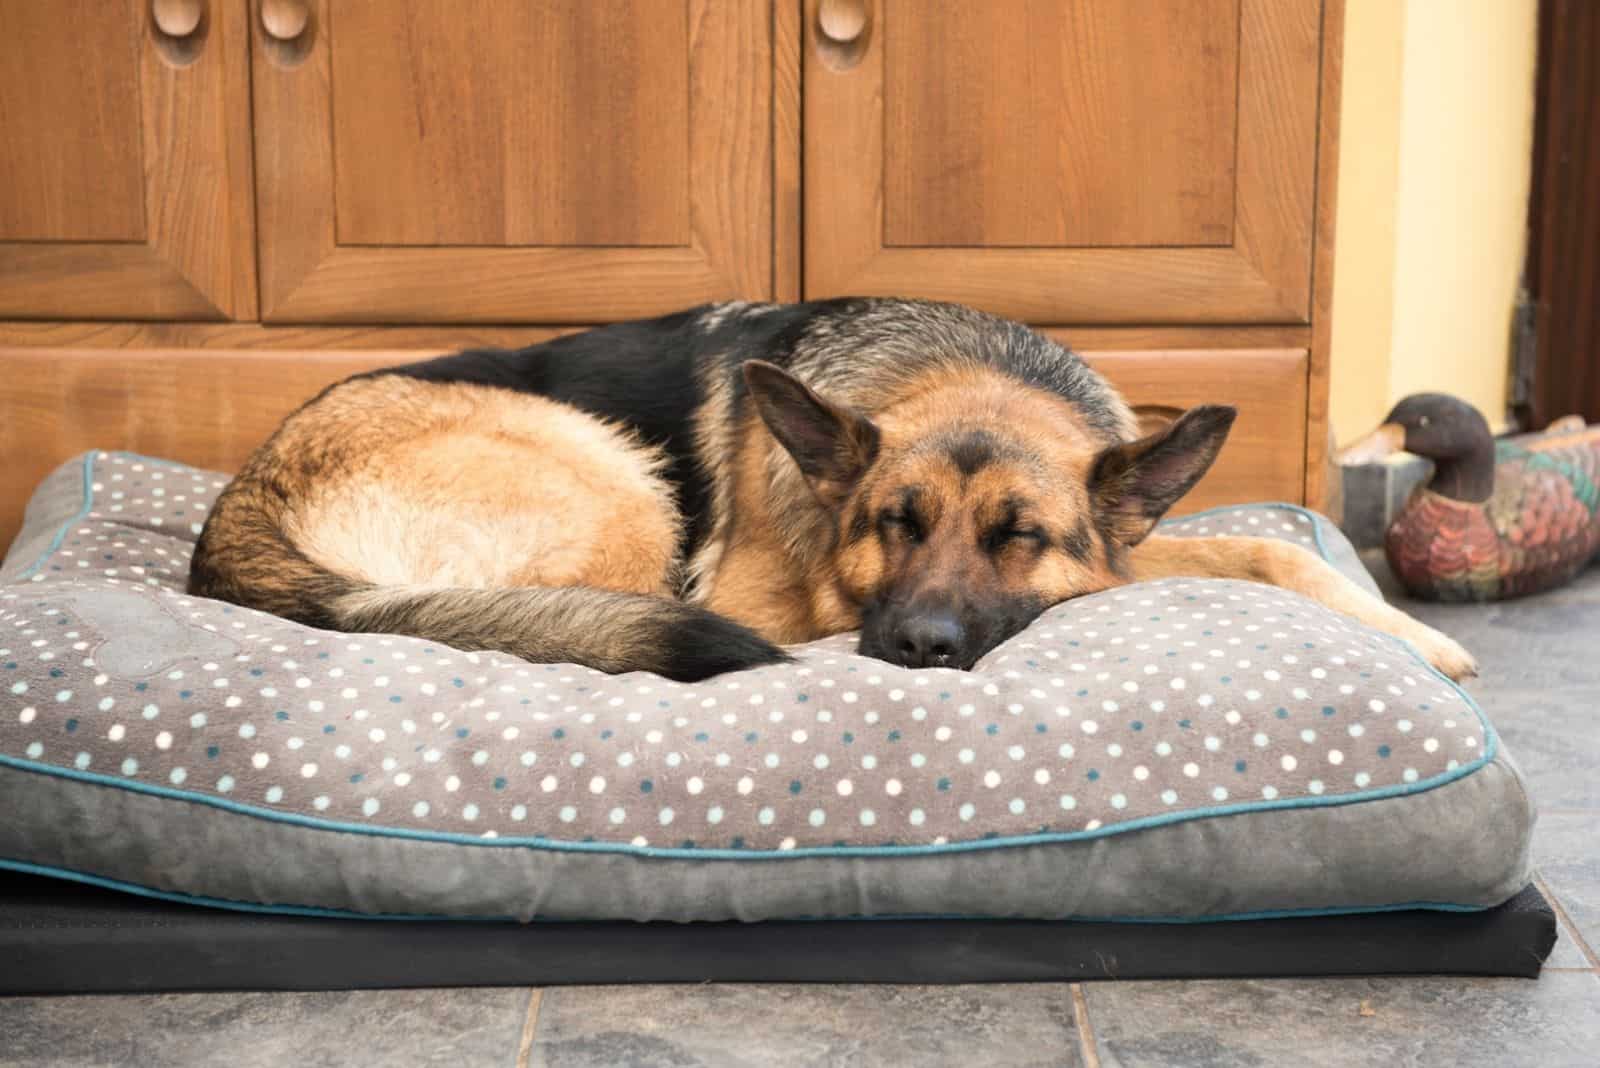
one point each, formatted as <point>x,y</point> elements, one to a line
<point>176,18</point>
<point>842,21</point>
<point>284,20</point>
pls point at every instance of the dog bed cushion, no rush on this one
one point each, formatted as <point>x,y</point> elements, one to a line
<point>1182,749</point>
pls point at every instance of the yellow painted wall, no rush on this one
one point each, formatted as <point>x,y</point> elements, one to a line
<point>1435,153</point>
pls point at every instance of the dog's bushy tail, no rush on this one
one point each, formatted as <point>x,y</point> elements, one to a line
<point>613,632</point>
<point>252,563</point>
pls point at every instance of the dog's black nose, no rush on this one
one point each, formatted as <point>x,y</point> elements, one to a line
<point>929,641</point>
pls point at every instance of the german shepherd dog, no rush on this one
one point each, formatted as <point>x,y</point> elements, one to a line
<point>685,495</point>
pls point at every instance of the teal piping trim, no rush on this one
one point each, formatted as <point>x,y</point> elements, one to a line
<point>61,535</point>
<point>343,914</point>
<point>1490,747</point>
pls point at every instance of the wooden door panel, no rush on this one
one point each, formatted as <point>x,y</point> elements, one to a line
<point>124,184</point>
<point>514,161</point>
<point>561,122</point>
<point>1079,161</point>
<point>69,173</point>
<point>1010,115</point>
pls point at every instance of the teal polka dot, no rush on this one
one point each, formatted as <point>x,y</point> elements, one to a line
<point>795,787</point>
<point>646,786</point>
<point>1384,751</point>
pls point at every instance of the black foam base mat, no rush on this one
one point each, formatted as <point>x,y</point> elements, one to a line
<point>58,937</point>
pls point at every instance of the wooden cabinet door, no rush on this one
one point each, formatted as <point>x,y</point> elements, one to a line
<point>1064,161</point>
<point>125,166</point>
<point>513,160</point>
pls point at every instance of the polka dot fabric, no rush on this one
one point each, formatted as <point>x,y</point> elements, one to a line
<point>1152,703</point>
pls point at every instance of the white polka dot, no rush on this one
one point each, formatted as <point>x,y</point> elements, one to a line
<point>1315,786</point>
<point>917,817</point>
<point>274,794</point>
<point>765,817</point>
<point>1288,762</point>
<point>1068,802</point>
<point>519,812</point>
<point>164,740</point>
<point>1269,792</point>
<point>370,806</point>
<point>1362,778</point>
<point>116,732</point>
<point>1192,770</point>
<point>1219,793</point>
<point>260,760</point>
<point>966,812</point>
<point>1169,797</point>
<point>1335,756</point>
<point>1409,775</point>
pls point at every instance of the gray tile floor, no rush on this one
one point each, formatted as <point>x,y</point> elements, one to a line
<point>1541,683</point>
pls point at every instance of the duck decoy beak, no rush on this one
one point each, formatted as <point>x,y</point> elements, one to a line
<point>1387,439</point>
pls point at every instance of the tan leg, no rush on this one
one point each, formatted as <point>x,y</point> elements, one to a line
<point>1280,563</point>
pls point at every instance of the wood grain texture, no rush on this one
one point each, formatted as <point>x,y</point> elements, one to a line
<point>187,104</point>
<point>1264,275</point>
<point>1564,217</point>
<point>533,122</point>
<point>212,407</point>
<point>1323,490</point>
<point>1024,122</point>
<point>442,338</point>
<point>1262,460</point>
<point>309,276</point>
<point>71,168</point>
<point>787,41</point>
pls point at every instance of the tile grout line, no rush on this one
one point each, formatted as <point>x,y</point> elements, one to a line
<point>1080,1014</point>
<point>1566,921</point>
<point>530,1026</point>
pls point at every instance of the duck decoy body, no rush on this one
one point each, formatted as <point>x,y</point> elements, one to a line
<point>1500,517</point>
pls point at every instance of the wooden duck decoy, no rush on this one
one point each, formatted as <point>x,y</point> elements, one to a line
<point>1500,517</point>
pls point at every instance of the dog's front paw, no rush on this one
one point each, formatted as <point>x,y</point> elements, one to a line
<point>1445,654</point>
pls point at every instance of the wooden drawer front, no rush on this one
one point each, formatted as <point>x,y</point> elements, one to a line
<point>211,407</point>
<point>1264,459</point>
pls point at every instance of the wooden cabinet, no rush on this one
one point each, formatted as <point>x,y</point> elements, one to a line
<point>125,172</point>
<point>513,160</point>
<point>1066,161</point>
<point>1149,180</point>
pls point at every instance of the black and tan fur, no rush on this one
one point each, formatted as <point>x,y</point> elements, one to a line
<point>686,494</point>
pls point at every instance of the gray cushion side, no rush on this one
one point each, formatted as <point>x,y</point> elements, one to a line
<point>59,498</point>
<point>1464,843</point>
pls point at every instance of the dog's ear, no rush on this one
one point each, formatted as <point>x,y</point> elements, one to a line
<point>1133,484</point>
<point>833,444</point>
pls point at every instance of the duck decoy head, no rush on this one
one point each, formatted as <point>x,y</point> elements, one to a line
<point>1444,429</point>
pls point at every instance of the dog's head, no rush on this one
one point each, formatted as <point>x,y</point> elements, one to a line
<point>966,509</point>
